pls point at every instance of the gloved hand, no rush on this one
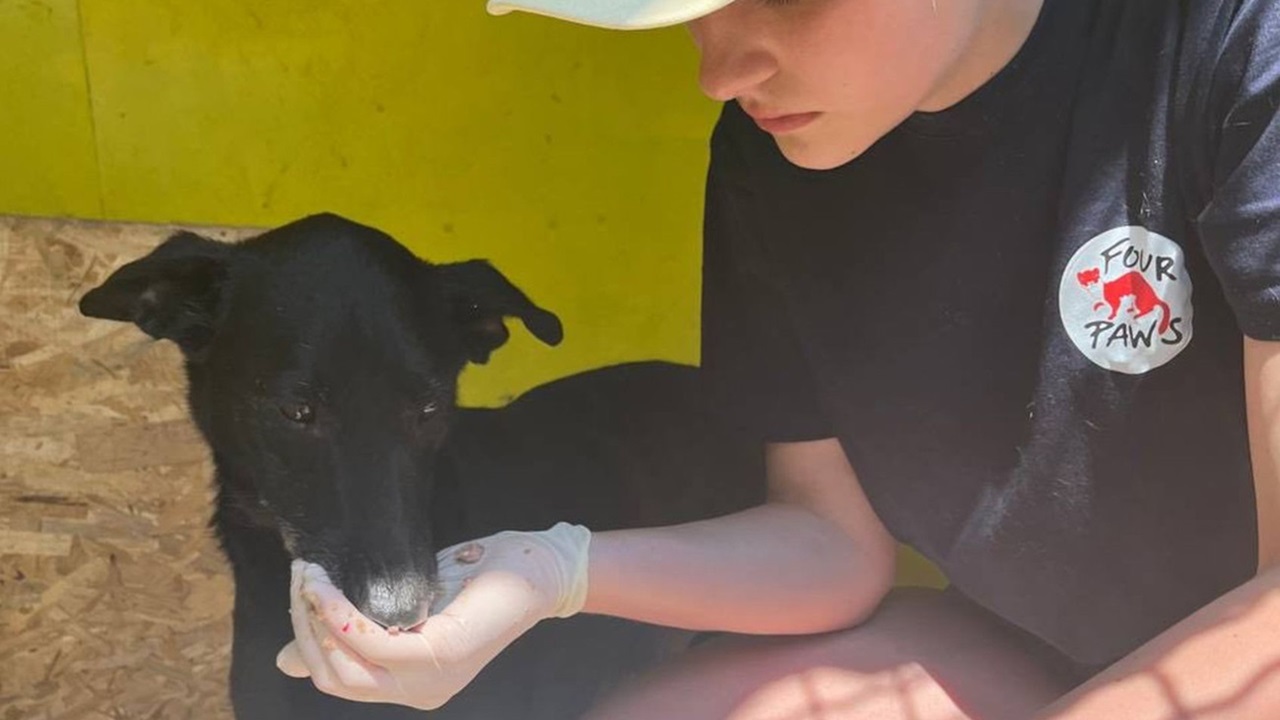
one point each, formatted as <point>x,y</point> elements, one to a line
<point>495,589</point>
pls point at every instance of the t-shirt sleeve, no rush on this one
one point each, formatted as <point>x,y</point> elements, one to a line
<point>1240,223</point>
<point>751,355</point>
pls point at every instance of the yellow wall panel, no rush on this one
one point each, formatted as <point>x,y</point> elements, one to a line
<point>47,164</point>
<point>572,157</point>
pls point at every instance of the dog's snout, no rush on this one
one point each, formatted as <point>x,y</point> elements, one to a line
<point>395,602</point>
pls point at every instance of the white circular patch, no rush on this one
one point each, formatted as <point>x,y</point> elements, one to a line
<point>1125,300</point>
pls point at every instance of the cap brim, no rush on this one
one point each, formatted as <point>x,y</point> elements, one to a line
<point>613,14</point>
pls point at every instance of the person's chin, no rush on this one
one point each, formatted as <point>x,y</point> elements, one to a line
<point>814,155</point>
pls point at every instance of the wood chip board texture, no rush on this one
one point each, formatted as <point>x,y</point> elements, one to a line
<point>115,601</point>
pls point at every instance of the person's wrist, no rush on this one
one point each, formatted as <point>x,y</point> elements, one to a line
<point>569,545</point>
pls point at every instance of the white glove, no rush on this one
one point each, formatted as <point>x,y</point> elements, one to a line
<point>494,590</point>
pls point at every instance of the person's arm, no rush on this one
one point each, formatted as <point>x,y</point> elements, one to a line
<point>1223,662</point>
<point>813,558</point>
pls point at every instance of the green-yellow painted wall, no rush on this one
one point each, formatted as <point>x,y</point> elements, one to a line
<point>572,157</point>
<point>47,157</point>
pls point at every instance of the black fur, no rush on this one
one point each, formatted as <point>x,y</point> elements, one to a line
<point>322,360</point>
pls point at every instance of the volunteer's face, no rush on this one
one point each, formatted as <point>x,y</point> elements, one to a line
<point>827,78</point>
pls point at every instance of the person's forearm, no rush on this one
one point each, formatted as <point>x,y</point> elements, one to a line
<point>774,569</point>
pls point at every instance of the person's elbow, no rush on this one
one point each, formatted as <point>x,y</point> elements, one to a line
<point>871,574</point>
<point>859,569</point>
<point>841,537</point>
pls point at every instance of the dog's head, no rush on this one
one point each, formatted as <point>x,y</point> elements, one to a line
<point>323,359</point>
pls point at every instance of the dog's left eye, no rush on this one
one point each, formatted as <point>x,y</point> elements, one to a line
<point>300,413</point>
<point>429,409</point>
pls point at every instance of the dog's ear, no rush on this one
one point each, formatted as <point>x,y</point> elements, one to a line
<point>170,294</point>
<point>481,297</point>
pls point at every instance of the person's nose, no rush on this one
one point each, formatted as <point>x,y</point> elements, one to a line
<point>733,57</point>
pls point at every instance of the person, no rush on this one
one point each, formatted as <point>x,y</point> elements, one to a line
<point>998,279</point>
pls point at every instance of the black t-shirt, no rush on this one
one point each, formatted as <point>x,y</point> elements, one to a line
<point>993,309</point>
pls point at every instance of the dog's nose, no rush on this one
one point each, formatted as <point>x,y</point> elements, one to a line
<point>400,602</point>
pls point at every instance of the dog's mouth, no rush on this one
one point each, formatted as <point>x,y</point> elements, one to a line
<point>397,603</point>
<point>396,629</point>
<point>289,536</point>
<point>396,600</point>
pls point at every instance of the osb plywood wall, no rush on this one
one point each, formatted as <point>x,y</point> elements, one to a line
<point>114,599</point>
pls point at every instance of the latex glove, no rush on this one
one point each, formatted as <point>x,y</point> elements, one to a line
<point>494,590</point>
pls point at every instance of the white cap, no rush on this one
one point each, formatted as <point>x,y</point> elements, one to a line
<point>614,14</point>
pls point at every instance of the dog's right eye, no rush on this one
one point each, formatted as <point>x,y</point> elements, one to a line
<point>300,413</point>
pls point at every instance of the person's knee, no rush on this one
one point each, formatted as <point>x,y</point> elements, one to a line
<point>921,656</point>
<point>798,686</point>
<point>770,678</point>
<point>892,690</point>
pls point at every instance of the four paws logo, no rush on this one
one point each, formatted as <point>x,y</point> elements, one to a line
<point>1125,300</point>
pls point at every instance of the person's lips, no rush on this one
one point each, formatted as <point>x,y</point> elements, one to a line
<point>783,123</point>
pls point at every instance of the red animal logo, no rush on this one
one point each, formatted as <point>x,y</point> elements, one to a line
<point>1131,284</point>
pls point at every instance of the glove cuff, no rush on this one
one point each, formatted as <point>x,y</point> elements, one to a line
<point>571,544</point>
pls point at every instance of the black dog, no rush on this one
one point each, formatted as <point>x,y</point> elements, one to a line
<point>322,360</point>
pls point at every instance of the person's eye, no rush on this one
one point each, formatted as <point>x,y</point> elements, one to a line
<point>300,413</point>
